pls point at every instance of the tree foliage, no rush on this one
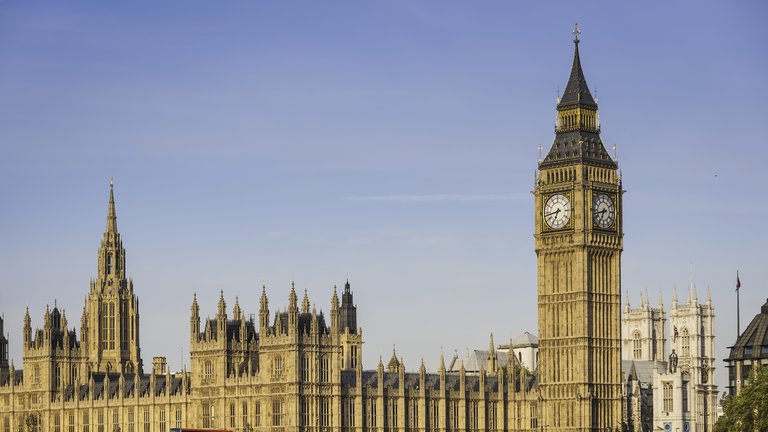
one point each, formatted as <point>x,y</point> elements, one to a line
<point>749,410</point>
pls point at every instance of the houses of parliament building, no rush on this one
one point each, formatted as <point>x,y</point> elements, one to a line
<point>299,370</point>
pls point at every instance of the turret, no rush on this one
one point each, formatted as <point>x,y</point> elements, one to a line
<point>27,329</point>
<point>221,319</point>
<point>490,361</point>
<point>674,298</point>
<point>237,313</point>
<point>305,303</point>
<point>263,312</point>
<point>194,320</point>
<point>335,310</point>
<point>348,313</point>
<point>293,310</point>
<point>3,347</point>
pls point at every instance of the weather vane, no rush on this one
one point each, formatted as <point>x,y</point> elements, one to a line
<point>576,32</point>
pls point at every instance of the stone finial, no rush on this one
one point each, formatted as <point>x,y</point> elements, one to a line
<point>195,307</point>
<point>293,299</point>
<point>237,313</point>
<point>222,305</point>
<point>305,302</point>
<point>674,298</point>
<point>264,302</point>
<point>111,213</point>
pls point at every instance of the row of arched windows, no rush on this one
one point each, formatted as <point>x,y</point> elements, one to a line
<point>685,344</point>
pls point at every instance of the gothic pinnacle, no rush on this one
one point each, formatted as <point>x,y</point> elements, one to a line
<point>111,214</point>
<point>305,302</point>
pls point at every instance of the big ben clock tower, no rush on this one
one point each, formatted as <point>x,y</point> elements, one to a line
<point>578,239</point>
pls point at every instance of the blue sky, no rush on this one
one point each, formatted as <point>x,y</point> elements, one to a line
<point>393,143</point>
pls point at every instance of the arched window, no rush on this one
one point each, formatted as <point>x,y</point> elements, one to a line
<point>685,343</point>
<point>278,366</point>
<point>109,263</point>
<point>111,323</point>
<point>637,347</point>
<point>104,326</point>
<point>305,368</point>
<point>208,371</point>
<point>324,366</point>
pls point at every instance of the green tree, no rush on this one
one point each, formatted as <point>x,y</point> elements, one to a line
<point>748,411</point>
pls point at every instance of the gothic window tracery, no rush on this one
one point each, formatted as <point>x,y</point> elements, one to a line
<point>685,343</point>
<point>637,347</point>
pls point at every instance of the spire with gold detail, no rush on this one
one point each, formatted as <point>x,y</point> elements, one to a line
<point>577,128</point>
<point>111,214</point>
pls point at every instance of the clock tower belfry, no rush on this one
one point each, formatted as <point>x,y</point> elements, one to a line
<point>579,239</point>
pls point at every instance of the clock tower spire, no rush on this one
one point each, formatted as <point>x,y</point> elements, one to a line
<point>579,239</point>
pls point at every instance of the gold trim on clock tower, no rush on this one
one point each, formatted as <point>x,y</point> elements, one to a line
<point>579,270</point>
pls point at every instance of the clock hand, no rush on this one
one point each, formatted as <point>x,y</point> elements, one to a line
<point>551,213</point>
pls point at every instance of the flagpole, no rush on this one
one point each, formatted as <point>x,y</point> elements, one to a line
<point>738,317</point>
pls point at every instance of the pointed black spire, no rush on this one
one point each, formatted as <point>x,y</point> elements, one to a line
<point>348,311</point>
<point>576,91</point>
<point>577,131</point>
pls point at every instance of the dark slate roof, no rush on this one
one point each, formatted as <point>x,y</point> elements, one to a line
<point>83,392</point>
<point>753,342</point>
<point>577,146</point>
<point>370,378</point>
<point>576,91</point>
<point>176,385</point>
<point>348,378</point>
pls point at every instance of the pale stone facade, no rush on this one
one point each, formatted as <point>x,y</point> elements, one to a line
<point>298,370</point>
<point>674,392</point>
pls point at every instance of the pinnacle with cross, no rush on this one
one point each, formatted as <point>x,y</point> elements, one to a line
<point>576,32</point>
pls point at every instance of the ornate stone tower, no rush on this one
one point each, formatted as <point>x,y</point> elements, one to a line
<point>643,331</point>
<point>3,348</point>
<point>693,342</point>
<point>578,235</point>
<point>111,315</point>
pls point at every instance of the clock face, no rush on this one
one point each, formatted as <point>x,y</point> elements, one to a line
<point>557,211</point>
<point>603,211</point>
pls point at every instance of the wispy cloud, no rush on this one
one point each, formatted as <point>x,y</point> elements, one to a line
<point>437,198</point>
